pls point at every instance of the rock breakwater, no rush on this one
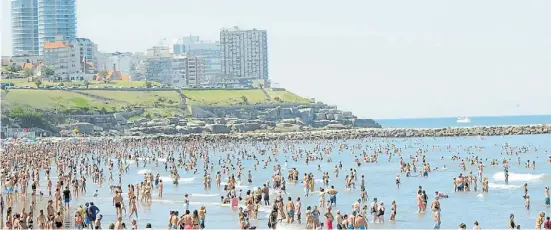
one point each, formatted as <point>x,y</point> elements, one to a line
<point>370,133</point>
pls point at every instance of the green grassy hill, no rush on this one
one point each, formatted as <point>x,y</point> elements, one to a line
<point>138,98</point>
<point>109,100</point>
<point>26,105</point>
<point>239,97</point>
<point>53,100</point>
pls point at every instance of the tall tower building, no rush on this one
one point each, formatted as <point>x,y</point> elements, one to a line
<point>56,18</point>
<point>24,25</point>
<point>36,21</point>
<point>244,54</point>
<point>208,50</point>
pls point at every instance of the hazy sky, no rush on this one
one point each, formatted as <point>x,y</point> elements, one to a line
<point>379,59</point>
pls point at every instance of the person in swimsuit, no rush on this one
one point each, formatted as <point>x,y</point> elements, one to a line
<point>290,210</point>
<point>117,202</point>
<point>436,218</point>
<point>202,215</point>
<point>333,195</point>
<point>381,213</point>
<point>360,222</point>
<point>351,221</point>
<point>329,218</point>
<point>373,209</point>
<point>393,211</point>
<point>547,200</point>
<point>67,196</point>
<point>316,217</point>
<point>398,181</point>
<point>173,220</point>
<point>435,204</point>
<point>186,202</point>
<point>58,220</point>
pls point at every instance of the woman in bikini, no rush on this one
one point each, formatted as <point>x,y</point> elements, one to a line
<point>393,211</point>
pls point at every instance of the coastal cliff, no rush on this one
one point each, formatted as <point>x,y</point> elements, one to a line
<point>136,112</point>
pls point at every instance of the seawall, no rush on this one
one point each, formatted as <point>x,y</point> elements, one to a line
<point>368,132</point>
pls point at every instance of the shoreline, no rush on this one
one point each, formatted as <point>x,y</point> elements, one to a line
<point>361,133</point>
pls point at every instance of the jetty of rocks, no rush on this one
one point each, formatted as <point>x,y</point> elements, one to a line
<point>367,133</point>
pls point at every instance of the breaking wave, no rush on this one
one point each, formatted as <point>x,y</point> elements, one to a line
<point>167,179</point>
<point>518,177</point>
<point>503,186</point>
<point>204,195</point>
<point>144,171</point>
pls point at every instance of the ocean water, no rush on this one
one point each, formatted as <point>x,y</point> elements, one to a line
<point>491,210</point>
<point>475,121</point>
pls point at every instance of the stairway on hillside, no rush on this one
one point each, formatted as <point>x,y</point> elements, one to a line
<point>183,101</point>
<point>266,94</point>
<point>183,98</point>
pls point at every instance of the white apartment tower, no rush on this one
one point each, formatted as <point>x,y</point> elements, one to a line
<point>56,18</point>
<point>24,25</point>
<point>244,54</point>
<point>35,22</point>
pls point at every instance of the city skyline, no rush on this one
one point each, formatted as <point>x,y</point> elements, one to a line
<point>422,59</point>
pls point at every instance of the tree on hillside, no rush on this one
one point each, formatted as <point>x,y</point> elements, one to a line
<point>258,84</point>
<point>38,83</point>
<point>48,72</point>
<point>28,72</point>
<point>103,75</point>
<point>148,84</point>
<point>14,68</point>
<point>9,69</point>
<point>86,83</point>
<point>245,100</point>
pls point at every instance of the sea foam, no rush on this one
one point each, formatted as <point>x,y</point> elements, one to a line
<point>167,179</point>
<point>144,171</point>
<point>204,195</point>
<point>518,177</point>
<point>503,186</point>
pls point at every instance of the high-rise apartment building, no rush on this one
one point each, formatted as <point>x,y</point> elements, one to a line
<point>24,26</point>
<point>158,69</point>
<point>187,70</point>
<point>244,54</point>
<point>88,50</point>
<point>36,21</point>
<point>56,18</point>
<point>207,50</point>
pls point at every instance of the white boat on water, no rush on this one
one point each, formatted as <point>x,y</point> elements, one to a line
<point>463,120</point>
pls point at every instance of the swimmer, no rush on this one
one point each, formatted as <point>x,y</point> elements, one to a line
<point>441,194</point>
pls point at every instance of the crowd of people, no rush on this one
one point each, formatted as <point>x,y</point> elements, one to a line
<point>42,183</point>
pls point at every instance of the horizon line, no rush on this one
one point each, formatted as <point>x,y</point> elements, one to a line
<point>429,117</point>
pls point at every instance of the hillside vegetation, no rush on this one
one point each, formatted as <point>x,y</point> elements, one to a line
<point>241,97</point>
<point>120,100</point>
<point>55,100</point>
<point>91,84</point>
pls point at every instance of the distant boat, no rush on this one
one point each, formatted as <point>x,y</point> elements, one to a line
<point>463,120</point>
